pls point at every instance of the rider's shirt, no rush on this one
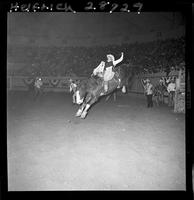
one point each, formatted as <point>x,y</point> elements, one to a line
<point>108,64</point>
<point>108,75</point>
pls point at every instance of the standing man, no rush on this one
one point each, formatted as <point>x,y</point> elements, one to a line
<point>162,89</point>
<point>72,88</point>
<point>171,92</point>
<point>38,86</point>
<point>148,87</point>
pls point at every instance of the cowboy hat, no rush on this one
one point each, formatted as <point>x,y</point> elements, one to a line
<point>111,57</point>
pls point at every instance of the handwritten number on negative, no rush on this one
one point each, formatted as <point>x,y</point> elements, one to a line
<point>125,7</point>
<point>90,6</point>
<point>139,6</point>
<point>102,5</point>
<point>114,6</point>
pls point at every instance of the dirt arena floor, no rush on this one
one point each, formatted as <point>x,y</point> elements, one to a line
<point>121,145</point>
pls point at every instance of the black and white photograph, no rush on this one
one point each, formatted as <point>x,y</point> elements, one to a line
<point>96,101</point>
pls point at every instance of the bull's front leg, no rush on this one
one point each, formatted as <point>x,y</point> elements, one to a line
<point>80,110</point>
<point>84,113</point>
<point>88,105</point>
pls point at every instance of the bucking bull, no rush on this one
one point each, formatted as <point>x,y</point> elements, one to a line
<point>87,92</point>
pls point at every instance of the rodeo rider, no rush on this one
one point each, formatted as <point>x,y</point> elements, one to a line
<point>105,69</point>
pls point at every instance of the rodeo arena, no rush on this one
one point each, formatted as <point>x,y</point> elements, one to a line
<point>96,101</point>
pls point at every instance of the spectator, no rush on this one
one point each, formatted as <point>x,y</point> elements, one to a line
<point>148,87</point>
<point>171,92</point>
<point>159,54</point>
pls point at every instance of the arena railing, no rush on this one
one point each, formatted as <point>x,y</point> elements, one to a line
<point>61,83</point>
<point>50,83</point>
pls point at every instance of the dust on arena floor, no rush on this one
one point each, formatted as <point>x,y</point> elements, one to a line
<point>120,145</point>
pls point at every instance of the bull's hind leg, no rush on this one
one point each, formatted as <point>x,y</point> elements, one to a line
<point>108,97</point>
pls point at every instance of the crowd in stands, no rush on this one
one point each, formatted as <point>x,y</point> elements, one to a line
<point>149,57</point>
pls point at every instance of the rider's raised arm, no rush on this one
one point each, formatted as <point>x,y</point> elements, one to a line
<point>119,60</point>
